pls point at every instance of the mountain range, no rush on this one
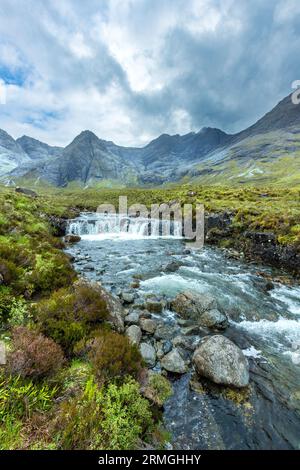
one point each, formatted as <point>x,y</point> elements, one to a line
<point>266,152</point>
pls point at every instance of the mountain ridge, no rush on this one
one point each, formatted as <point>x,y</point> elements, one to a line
<point>88,159</point>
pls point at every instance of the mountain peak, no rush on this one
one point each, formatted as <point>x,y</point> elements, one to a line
<point>88,134</point>
<point>211,130</point>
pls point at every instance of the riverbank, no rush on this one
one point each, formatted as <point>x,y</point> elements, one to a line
<point>70,375</point>
<point>261,224</point>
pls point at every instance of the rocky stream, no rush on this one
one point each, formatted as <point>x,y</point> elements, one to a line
<point>226,333</point>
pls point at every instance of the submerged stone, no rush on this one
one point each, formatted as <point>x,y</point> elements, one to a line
<point>201,308</point>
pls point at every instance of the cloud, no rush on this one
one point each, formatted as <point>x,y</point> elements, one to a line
<point>130,70</point>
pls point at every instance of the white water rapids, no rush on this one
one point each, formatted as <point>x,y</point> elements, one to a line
<point>98,226</point>
<point>265,324</point>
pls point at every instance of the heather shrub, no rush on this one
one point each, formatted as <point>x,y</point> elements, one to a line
<point>33,355</point>
<point>115,417</point>
<point>6,301</point>
<point>9,271</point>
<point>70,314</point>
<point>114,357</point>
<point>17,250</point>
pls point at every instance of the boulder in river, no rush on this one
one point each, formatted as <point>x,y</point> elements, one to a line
<point>154,305</point>
<point>163,348</point>
<point>89,267</point>
<point>132,318</point>
<point>221,361</point>
<point>148,354</point>
<point>72,239</point>
<point>148,325</point>
<point>127,297</point>
<point>173,362</point>
<point>201,308</point>
<point>165,331</point>
<point>171,267</point>
<point>186,342</point>
<point>134,334</point>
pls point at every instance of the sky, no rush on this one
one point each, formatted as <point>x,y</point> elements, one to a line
<point>130,70</point>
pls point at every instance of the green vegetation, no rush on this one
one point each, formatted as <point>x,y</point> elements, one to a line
<point>70,381</point>
<point>113,357</point>
<point>115,417</point>
<point>70,314</point>
<point>33,355</point>
<point>160,388</point>
<point>270,159</point>
<point>19,399</point>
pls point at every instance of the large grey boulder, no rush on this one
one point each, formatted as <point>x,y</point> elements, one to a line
<point>201,308</point>
<point>164,331</point>
<point>220,360</point>
<point>148,325</point>
<point>148,354</point>
<point>132,318</point>
<point>173,362</point>
<point>134,334</point>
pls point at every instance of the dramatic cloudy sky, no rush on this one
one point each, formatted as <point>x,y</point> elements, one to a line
<point>130,70</point>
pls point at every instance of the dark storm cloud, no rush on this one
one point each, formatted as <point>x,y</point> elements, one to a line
<point>130,70</point>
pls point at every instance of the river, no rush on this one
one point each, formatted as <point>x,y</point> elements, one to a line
<point>264,323</point>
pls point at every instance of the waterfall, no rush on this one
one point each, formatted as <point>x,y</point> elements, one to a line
<point>101,226</point>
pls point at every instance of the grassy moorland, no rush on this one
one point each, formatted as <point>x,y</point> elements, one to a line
<point>70,378</point>
<point>261,209</point>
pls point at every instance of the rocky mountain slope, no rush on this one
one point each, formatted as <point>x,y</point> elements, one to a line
<point>268,151</point>
<point>37,150</point>
<point>11,154</point>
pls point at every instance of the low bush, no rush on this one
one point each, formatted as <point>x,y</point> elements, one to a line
<point>6,302</point>
<point>160,388</point>
<point>13,310</point>
<point>72,380</point>
<point>51,271</point>
<point>33,355</point>
<point>9,271</point>
<point>114,357</point>
<point>116,417</point>
<point>19,314</point>
<point>70,314</point>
